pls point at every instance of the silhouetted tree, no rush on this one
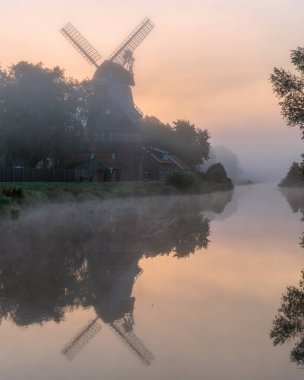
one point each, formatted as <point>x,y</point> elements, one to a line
<point>42,113</point>
<point>289,88</point>
<point>182,138</point>
<point>294,177</point>
<point>190,143</point>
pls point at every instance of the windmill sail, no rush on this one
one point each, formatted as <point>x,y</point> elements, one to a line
<point>81,339</point>
<point>132,341</point>
<point>81,44</point>
<point>132,41</point>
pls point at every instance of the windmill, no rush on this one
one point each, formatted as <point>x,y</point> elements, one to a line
<point>114,76</point>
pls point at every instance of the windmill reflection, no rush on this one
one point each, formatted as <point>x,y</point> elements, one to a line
<point>63,259</point>
<point>115,310</point>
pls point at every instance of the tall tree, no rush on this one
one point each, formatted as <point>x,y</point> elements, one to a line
<point>182,138</point>
<point>190,143</point>
<point>289,88</point>
<point>40,113</point>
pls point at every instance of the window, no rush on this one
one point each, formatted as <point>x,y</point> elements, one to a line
<point>106,137</point>
<point>146,175</point>
<point>163,175</point>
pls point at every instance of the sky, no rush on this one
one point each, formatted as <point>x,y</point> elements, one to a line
<point>207,61</point>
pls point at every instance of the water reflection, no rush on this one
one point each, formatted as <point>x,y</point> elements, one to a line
<point>295,199</point>
<point>58,258</point>
<point>289,322</point>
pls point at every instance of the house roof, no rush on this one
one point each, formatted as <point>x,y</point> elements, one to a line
<point>107,160</point>
<point>165,157</point>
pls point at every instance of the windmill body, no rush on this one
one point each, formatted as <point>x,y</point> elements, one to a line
<point>113,116</point>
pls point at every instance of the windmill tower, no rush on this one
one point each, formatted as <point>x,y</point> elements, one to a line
<point>113,116</point>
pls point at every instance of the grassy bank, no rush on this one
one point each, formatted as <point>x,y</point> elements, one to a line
<point>22,193</point>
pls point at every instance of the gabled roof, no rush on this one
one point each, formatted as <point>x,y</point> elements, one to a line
<point>106,160</point>
<point>165,157</point>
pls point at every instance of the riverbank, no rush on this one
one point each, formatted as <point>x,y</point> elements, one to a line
<point>25,193</point>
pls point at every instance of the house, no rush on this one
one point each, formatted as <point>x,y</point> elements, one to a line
<point>94,167</point>
<point>152,164</point>
<point>158,164</point>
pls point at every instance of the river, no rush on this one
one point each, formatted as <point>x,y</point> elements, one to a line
<point>168,288</point>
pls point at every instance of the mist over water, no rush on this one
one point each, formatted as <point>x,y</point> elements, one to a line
<point>152,288</point>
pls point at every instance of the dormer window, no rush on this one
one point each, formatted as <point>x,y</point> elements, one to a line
<point>165,156</point>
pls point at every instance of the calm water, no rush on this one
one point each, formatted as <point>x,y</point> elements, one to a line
<point>164,288</point>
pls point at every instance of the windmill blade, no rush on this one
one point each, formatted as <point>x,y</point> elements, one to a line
<point>132,342</point>
<point>132,41</point>
<point>81,44</point>
<point>81,339</point>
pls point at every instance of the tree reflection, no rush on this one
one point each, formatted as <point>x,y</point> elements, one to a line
<point>63,257</point>
<point>289,322</point>
<point>295,199</point>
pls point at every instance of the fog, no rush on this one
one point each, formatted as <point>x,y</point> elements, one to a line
<point>208,62</point>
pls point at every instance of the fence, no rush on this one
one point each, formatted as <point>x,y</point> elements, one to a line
<point>40,175</point>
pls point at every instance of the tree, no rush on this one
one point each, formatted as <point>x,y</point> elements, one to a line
<point>156,133</point>
<point>182,138</point>
<point>294,177</point>
<point>190,143</point>
<point>41,113</point>
<point>289,88</point>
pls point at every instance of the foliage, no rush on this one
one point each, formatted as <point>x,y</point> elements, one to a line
<point>216,173</point>
<point>182,138</point>
<point>289,88</point>
<point>4,201</point>
<point>45,115</point>
<point>183,180</point>
<point>215,179</point>
<point>13,192</point>
<point>294,177</point>
<point>41,114</point>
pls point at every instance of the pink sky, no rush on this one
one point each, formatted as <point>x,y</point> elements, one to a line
<point>206,61</point>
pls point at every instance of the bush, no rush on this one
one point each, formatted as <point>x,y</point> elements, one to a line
<point>4,201</point>
<point>217,174</point>
<point>294,177</point>
<point>13,192</point>
<point>183,180</point>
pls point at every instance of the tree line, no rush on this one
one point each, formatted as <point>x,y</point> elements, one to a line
<point>45,114</point>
